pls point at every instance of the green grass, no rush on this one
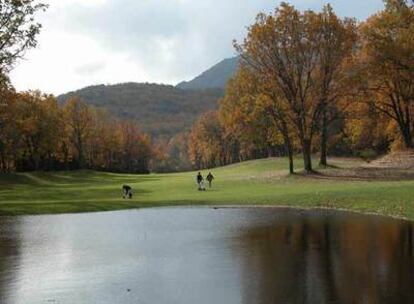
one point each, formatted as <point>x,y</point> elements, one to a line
<point>260,182</point>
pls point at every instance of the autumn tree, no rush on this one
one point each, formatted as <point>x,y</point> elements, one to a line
<point>337,43</point>
<point>292,52</point>
<point>171,155</point>
<point>9,136</point>
<point>367,130</point>
<point>103,145</point>
<point>248,118</point>
<point>37,133</point>
<point>205,146</point>
<point>79,121</point>
<point>387,59</point>
<point>135,148</point>
<point>39,124</point>
<point>18,31</point>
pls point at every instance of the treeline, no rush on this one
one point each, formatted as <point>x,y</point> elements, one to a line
<point>314,82</point>
<point>37,133</point>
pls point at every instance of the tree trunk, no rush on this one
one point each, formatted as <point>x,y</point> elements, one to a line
<point>307,157</point>
<point>80,156</point>
<point>3,163</point>
<point>288,144</point>
<point>66,159</point>
<point>408,141</point>
<point>324,139</point>
<point>290,154</point>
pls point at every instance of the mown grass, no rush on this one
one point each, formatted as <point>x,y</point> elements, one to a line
<point>260,182</point>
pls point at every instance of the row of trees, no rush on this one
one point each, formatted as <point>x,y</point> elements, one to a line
<point>36,133</point>
<point>311,81</point>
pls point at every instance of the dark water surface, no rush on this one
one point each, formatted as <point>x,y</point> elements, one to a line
<point>202,255</point>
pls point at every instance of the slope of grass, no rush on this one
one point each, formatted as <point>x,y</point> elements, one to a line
<point>260,182</point>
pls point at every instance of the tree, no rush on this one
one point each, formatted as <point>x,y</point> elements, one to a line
<point>38,134</point>
<point>206,145</point>
<point>9,135</point>
<point>38,120</point>
<point>171,155</point>
<point>293,55</point>
<point>18,29</point>
<point>366,128</point>
<point>135,148</point>
<point>337,42</point>
<point>387,60</point>
<point>397,4</point>
<point>79,120</point>
<point>6,121</point>
<point>248,116</point>
<point>103,145</point>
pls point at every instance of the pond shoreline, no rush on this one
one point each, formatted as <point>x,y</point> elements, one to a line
<point>316,208</point>
<point>226,206</point>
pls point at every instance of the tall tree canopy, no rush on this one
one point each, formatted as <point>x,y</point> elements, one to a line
<point>387,58</point>
<point>252,122</point>
<point>296,56</point>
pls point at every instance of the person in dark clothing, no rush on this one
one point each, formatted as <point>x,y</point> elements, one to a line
<point>210,178</point>
<point>200,181</point>
<point>127,191</point>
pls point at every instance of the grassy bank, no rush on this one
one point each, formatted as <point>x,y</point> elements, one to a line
<point>260,182</point>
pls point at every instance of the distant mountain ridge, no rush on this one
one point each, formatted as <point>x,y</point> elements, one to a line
<point>215,77</point>
<point>162,110</point>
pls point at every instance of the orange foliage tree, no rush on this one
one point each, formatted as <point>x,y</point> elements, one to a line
<point>386,58</point>
<point>206,146</point>
<point>244,113</point>
<point>296,57</point>
<point>36,133</point>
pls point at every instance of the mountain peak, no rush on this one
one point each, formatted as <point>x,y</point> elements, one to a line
<point>215,77</point>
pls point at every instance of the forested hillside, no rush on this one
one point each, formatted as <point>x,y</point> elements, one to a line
<point>215,77</point>
<point>161,110</point>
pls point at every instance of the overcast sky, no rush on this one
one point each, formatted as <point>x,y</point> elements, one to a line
<point>86,42</point>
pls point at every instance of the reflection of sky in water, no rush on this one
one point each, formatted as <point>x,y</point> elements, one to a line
<point>201,255</point>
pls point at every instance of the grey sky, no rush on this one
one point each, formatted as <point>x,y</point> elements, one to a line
<point>86,42</point>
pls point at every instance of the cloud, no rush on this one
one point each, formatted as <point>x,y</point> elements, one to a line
<point>164,41</point>
<point>90,68</point>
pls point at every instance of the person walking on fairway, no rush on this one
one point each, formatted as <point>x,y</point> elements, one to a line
<point>210,178</point>
<point>199,181</point>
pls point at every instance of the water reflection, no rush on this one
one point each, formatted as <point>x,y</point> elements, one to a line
<point>201,255</point>
<point>9,254</point>
<point>329,259</point>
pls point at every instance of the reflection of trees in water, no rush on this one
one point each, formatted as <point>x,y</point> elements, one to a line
<point>334,259</point>
<point>9,253</point>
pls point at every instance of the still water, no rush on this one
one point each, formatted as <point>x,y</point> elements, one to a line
<point>204,255</point>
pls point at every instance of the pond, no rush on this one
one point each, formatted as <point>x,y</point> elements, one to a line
<point>206,255</point>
